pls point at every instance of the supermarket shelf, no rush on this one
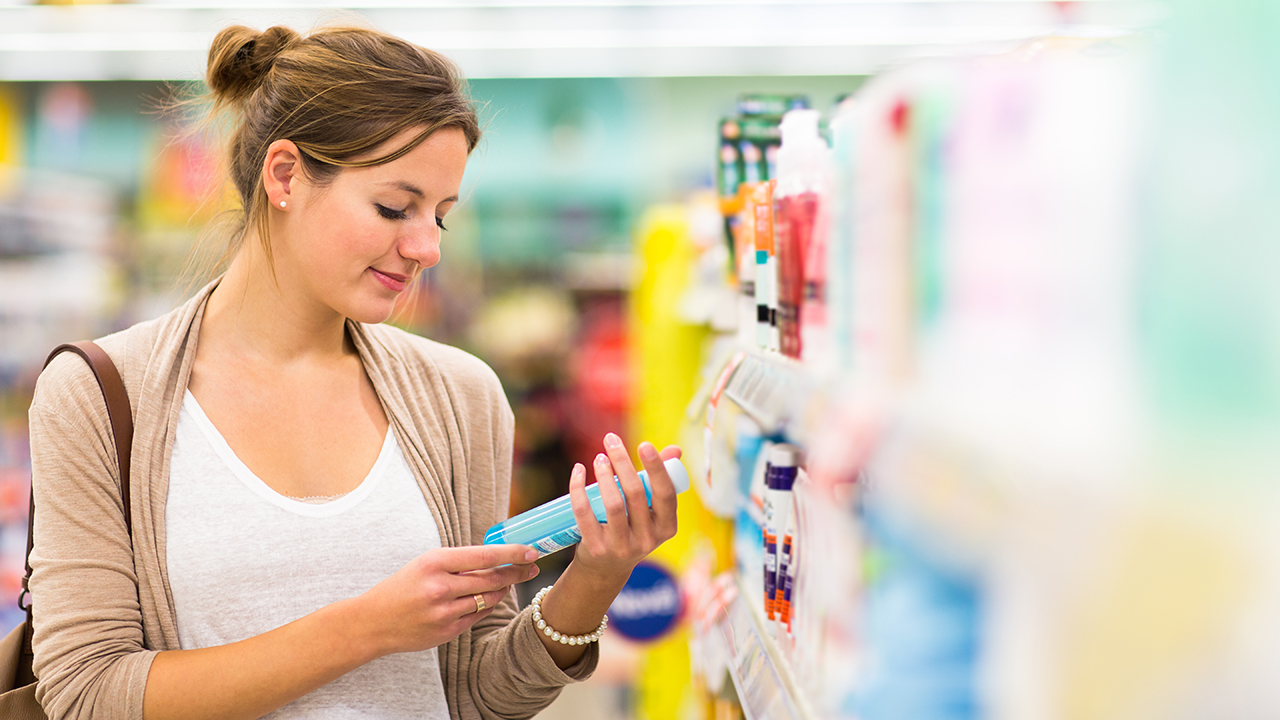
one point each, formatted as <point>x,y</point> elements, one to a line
<point>572,38</point>
<point>761,676</point>
<point>766,386</point>
<point>780,394</point>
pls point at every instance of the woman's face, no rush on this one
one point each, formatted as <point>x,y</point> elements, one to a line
<point>362,240</point>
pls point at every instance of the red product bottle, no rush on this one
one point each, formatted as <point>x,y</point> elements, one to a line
<point>802,163</point>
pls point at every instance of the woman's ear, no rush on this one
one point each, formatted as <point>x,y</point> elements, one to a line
<point>281,170</point>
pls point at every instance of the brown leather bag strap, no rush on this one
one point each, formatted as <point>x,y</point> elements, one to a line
<point>120,412</point>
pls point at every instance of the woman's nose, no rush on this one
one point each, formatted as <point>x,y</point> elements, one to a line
<point>422,244</point>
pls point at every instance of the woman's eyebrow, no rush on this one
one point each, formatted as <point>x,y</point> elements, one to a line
<point>411,188</point>
<point>406,186</point>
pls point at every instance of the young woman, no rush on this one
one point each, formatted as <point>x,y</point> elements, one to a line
<point>310,487</point>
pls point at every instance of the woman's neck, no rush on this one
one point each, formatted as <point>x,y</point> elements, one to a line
<point>255,314</point>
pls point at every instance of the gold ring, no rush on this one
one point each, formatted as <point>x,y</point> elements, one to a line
<point>480,602</point>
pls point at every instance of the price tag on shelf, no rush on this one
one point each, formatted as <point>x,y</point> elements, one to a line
<point>757,669</point>
<point>770,390</point>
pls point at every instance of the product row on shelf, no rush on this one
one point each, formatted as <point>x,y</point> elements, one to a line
<point>96,194</point>
<point>58,280</point>
<point>936,422</point>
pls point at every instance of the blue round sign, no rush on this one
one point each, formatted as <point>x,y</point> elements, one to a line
<point>648,605</point>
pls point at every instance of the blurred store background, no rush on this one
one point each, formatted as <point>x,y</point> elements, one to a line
<point>1038,422</point>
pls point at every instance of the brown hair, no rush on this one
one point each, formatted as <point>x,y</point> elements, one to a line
<point>337,93</point>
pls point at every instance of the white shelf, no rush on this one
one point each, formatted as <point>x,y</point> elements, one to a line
<point>761,675</point>
<point>780,394</point>
<point>597,38</point>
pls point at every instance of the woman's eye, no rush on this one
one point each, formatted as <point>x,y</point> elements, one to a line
<point>390,214</point>
<point>440,223</point>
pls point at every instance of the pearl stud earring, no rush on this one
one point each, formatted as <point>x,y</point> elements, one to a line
<point>282,203</point>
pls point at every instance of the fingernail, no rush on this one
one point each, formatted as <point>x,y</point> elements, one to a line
<point>533,572</point>
<point>612,441</point>
<point>602,460</point>
<point>648,452</point>
<point>578,469</point>
<point>531,555</point>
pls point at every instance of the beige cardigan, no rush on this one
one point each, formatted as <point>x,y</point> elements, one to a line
<point>103,611</point>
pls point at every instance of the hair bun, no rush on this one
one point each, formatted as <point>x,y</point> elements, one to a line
<point>240,56</point>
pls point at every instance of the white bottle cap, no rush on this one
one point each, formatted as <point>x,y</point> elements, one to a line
<point>783,455</point>
<point>802,154</point>
<point>799,125</point>
<point>679,475</point>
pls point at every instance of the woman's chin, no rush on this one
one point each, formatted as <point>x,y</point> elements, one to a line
<point>371,312</point>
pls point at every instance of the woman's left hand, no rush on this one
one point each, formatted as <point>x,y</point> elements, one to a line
<point>633,529</point>
<point>608,551</point>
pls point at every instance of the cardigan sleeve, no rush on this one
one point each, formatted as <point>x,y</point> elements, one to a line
<point>88,640</point>
<point>513,675</point>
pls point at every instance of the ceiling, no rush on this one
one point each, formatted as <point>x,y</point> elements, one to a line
<point>583,38</point>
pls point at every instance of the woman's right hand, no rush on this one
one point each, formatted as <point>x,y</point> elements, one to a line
<point>432,599</point>
<point>426,603</point>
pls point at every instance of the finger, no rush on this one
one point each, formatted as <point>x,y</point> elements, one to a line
<point>638,518</point>
<point>479,581</point>
<point>477,603</point>
<point>664,491</point>
<point>473,617</point>
<point>671,451</point>
<point>615,507</point>
<point>477,557</point>
<point>588,524</point>
<point>465,622</point>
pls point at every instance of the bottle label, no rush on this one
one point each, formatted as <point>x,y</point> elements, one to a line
<point>782,591</point>
<point>770,572</point>
<point>559,541</point>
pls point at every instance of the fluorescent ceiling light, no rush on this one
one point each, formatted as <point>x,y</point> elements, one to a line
<point>576,38</point>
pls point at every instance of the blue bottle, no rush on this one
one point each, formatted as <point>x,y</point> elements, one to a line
<point>551,526</point>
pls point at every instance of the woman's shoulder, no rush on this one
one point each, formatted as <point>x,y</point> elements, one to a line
<point>68,389</point>
<point>67,382</point>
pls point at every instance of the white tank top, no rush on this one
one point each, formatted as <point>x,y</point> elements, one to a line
<point>244,559</point>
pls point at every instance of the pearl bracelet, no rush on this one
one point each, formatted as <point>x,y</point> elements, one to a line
<point>559,636</point>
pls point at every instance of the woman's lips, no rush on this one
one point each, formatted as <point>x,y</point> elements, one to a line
<point>391,281</point>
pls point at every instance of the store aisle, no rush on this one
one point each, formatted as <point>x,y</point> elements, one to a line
<point>609,694</point>
<point>597,699</point>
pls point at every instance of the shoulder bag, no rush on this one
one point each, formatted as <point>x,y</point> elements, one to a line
<point>17,680</point>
